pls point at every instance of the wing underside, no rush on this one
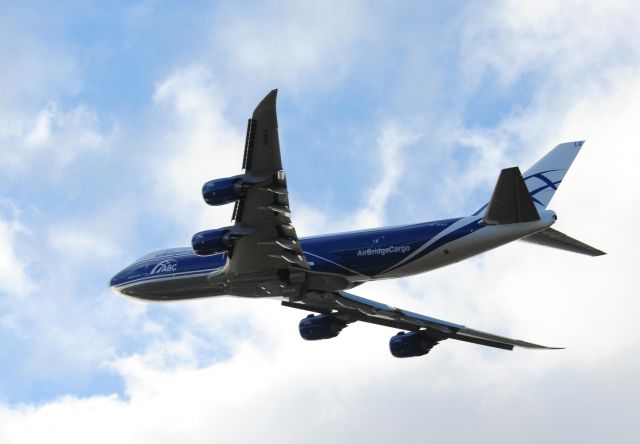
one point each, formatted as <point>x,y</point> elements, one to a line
<point>351,308</point>
<point>272,243</point>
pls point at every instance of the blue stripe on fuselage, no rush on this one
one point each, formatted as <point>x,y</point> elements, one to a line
<point>449,237</point>
<point>369,252</point>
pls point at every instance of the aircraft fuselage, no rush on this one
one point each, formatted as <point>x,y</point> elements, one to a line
<point>359,256</point>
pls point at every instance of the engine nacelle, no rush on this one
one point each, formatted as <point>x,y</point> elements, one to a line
<point>223,191</point>
<point>323,326</point>
<point>407,345</point>
<point>215,241</point>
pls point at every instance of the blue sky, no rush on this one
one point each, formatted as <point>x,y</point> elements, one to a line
<point>112,116</point>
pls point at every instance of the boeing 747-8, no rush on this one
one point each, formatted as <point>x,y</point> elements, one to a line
<point>260,255</point>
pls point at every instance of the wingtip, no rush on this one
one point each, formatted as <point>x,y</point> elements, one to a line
<point>267,103</point>
<point>538,347</point>
<point>272,94</point>
<point>532,346</point>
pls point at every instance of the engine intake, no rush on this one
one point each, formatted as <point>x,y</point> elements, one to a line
<point>313,328</point>
<point>407,345</point>
<point>215,241</point>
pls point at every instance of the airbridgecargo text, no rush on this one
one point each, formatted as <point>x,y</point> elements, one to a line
<point>392,249</point>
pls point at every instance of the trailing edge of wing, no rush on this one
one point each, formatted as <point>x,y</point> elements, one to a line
<point>351,308</point>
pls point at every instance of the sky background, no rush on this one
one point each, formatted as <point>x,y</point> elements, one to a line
<point>113,115</point>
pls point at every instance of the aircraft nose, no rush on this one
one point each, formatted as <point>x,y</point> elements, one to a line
<point>116,281</point>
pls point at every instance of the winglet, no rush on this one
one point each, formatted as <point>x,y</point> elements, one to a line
<point>262,147</point>
<point>265,112</point>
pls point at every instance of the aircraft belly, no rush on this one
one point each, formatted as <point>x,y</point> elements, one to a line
<point>173,288</point>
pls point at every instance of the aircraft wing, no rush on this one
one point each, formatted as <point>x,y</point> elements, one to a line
<point>263,212</point>
<point>350,308</point>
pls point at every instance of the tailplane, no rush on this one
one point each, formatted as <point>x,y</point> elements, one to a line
<point>555,239</point>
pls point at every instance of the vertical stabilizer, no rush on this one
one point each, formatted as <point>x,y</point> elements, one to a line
<point>544,178</point>
<point>510,202</point>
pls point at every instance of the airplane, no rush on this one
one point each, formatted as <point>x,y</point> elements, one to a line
<point>261,256</point>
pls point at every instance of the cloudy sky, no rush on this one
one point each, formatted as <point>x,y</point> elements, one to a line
<point>112,117</point>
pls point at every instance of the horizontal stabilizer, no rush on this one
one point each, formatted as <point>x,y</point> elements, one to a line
<point>555,239</point>
<point>510,202</point>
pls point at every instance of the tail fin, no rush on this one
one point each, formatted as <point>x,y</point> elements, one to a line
<point>510,202</point>
<point>545,176</point>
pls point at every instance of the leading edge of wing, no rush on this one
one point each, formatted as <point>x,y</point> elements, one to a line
<point>355,308</point>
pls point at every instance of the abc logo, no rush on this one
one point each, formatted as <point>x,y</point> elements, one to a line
<point>166,266</point>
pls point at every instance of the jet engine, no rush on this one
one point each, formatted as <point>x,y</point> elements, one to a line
<point>406,345</point>
<point>223,191</point>
<point>215,241</point>
<point>322,326</point>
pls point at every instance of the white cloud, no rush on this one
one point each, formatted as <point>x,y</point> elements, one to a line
<point>560,41</point>
<point>34,66</point>
<point>98,236</point>
<point>199,145</point>
<point>51,139</point>
<point>41,74</point>
<point>54,299</point>
<point>13,274</point>
<point>297,44</point>
<point>388,167</point>
<point>39,71</point>
<point>391,141</point>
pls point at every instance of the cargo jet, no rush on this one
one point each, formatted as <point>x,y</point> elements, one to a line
<point>261,256</point>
